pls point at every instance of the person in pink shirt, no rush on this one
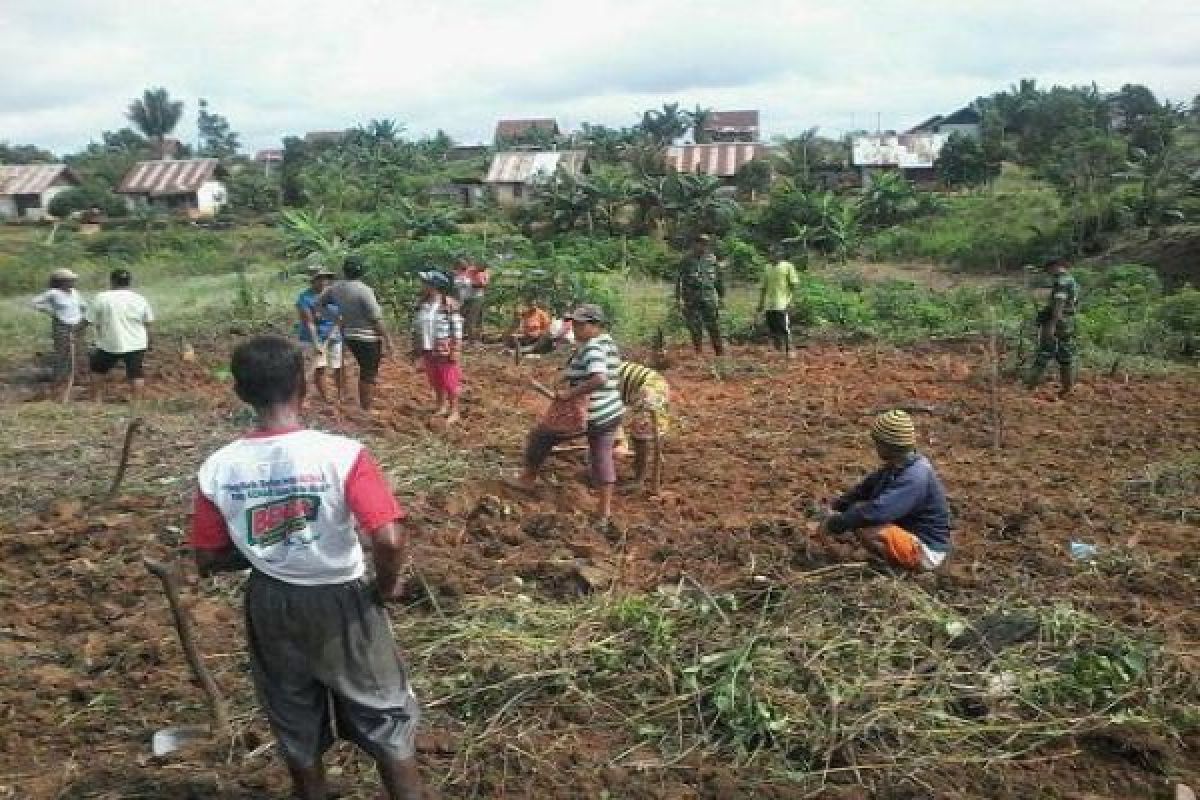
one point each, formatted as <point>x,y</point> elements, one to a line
<point>290,503</point>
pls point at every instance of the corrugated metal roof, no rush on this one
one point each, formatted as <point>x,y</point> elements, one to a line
<point>168,177</point>
<point>512,128</point>
<point>732,121</point>
<point>33,178</point>
<point>268,155</point>
<point>907,150</point>
<point>722,160</point>
<point>519,166</point>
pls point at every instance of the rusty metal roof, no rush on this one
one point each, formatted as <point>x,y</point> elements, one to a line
<point>906,150</point>
<point>732,121</point>
<point>521,166</point>
<point>512,128</point>
<point>168,177</point>
<point>33,178</point>
<point>722,160</point>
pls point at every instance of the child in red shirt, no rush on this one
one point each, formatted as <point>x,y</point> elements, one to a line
<point>286,502</point>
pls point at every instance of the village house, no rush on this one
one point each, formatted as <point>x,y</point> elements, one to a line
<point>966,121</point>
<point>719,160</point>
<point>26,190</point>
<point>515,173</point>
<point>510,131</point>
<point>464,192</point>
<point>910,154</point>
<point>732,126</point>
<point>269,159</point>
<point>192,186</point>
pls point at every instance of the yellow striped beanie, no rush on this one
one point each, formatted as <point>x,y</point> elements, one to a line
<point>894,428</point>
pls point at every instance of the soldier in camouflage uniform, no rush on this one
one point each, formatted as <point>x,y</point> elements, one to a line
<point>1056,328</point>
<point>699,292</point>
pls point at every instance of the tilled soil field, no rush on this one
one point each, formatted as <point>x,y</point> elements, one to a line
<point>707,647</point>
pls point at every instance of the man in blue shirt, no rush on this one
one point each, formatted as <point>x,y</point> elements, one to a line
<point>320,332</point>
<point>899,512</point>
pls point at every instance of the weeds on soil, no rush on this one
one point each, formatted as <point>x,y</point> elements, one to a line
<point>842,674</point>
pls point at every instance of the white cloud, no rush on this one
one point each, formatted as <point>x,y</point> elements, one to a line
<point>276,68</point>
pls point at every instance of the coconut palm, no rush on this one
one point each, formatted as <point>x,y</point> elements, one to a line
<point>699,119</point>
<point>155,114</point>
<point>667,125</point>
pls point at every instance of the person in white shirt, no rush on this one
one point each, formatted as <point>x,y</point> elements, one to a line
<point>65,306</point>
<point>122,320</point>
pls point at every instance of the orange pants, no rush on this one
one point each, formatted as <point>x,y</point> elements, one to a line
<point>902,548</point>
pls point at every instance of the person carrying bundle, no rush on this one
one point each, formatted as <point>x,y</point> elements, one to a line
<point>898,512</point>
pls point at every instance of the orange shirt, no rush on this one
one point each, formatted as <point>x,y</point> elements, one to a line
<point>534,322</point>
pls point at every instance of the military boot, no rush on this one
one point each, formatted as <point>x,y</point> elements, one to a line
<point>1066,379</point>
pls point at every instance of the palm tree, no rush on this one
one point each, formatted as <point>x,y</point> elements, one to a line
<point>699,119</point>
<point>609,190</point>
<point>667,125</point>
<point>155,114</point>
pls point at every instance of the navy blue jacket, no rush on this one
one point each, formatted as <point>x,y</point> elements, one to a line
<point>910,496</point>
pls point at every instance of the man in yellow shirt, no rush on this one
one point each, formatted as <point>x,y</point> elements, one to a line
<point>779,279</point>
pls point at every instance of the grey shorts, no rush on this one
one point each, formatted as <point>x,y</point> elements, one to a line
<point>313,648</point>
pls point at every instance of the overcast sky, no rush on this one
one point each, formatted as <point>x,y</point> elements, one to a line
<point>276,68</point>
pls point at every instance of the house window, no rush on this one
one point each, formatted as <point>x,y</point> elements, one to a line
<point>518,190</point>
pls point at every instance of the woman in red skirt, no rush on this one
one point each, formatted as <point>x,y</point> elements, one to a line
<point>437,341</point>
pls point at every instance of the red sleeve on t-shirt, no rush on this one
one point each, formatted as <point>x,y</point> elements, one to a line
<point>209,531</point>
<point>369,496</point>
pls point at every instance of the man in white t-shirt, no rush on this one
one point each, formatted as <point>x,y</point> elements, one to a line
<point>121,318</point>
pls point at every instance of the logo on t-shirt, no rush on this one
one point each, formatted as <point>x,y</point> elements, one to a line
<point>275,521</point>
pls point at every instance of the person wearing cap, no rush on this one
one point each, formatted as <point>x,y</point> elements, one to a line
<point>471,281</point>
<point>899,512</point>
<point>363,331</point>
<point>121,319</point>
<point>1056,328</point>
<point>699,292</point>
<point>590,378</point>
<point>437,341</point>
<point>320,331</point>
<point>66,308</point>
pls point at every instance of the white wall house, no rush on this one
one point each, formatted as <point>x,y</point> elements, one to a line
<point>515,174</point>
<point>189,186</point>
<point>26,190</point>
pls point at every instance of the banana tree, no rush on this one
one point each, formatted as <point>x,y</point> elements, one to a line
<point>309,235</point>
<point>608,191</point>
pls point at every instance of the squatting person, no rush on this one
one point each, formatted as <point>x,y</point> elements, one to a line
<point>286,501</point>
<point>899,512</point>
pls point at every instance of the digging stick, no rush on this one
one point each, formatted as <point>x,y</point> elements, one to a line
<point>115,486</point>
<point>656,482</point>
<point>66,397</point>
<point>216,702</point>
<point>543,390</point>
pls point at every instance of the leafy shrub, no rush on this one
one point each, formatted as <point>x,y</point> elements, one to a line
<point>81,198</point>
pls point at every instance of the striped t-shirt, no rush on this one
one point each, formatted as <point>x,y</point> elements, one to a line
<point>598,356</point>
<point>631,378</point>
